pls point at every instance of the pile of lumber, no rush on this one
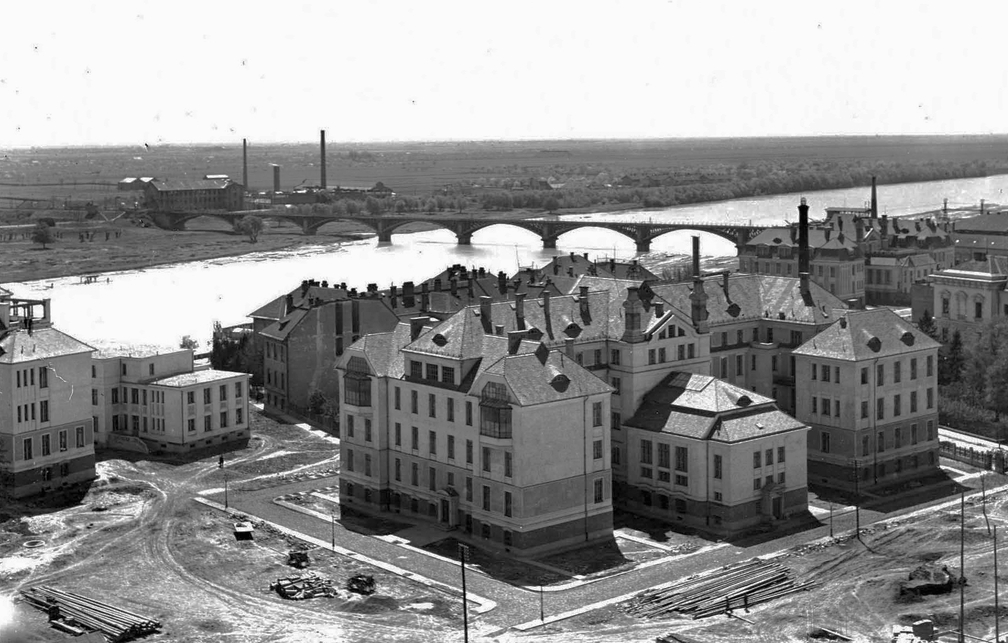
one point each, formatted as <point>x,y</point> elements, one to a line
<point>306,586</point>
<point>733,587</point>
<point>114,623</point>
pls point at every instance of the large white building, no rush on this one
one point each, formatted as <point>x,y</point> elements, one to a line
<point>46,435</point>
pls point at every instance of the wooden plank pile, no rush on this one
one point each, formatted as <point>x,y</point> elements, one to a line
<point>306,586</point>
<point>114,623</point>
<point>733,587</point>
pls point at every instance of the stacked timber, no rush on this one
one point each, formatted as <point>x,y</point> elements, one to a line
<point>733,587</point>
<point>307,586</point>
<point>114,623</point>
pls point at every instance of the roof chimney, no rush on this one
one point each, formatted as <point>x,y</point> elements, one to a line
<point>659,309</point>
<point>437,284</point>
<point>485,316</point>
<point>874,200</point>
<point>520,309</point>
<point>289,305</point>
<point>945,206</point>
<point>416,325</point>
<point>499,330</point>
<point>469,282</point>
<point>514,340</point>
<point>502,282</point>
<point>696,257</point>
<point>556,268</point>
<point>408,294</point>
<point>633,309</point>
<point>698,298</point>
<point>724,282</point>
<point>569,347</point>
<point>803,249</point>
<point>612,264</point>
<point>546,312</point>
<point>424,297</point>
<point>322,141</point>
<point>453,286</point>
<point>276,177</point>
<point>305,284</point>
<point>392,295</point>
<point>584,305</point>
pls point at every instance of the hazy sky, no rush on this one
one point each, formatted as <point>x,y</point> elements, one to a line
<point>175,71</point>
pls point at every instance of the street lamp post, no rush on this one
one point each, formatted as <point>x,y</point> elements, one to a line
<point>225,490</point>
<point>333,516</point>
<point>542,611</point>
<point>463,556</point>
<point>857,499</point>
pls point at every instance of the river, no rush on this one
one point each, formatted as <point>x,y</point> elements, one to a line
<point>159,305</point>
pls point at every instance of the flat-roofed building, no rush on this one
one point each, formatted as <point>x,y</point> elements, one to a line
<point>870,395</point>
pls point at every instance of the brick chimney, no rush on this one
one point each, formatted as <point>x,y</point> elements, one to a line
<point>486,305</point>
<point>874,200</point>
<point>803,247</point>
<point>424,297</point>
<point>502,282</point>
<point>583,304</point>
<point>469,288</point>
<point>569,347</point>
<point>859,229</point>
<point>408,295</point>
<point>520,309</point>
<point>288,305</point>
<point>514,340</point>
<point>698,297</point>
<point>453,286</point>
<point>392,296</point>
<point>633,311</point>
<point>546,312</point>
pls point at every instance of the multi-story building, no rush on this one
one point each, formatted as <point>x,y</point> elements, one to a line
<point>46,421</point>
<point>966,297</point>
<point>463,426</point>
<point>184,195</point>
<point>714,456</point>
<point>157,396</point>
<point>981,236</point>
<point>871,399</point>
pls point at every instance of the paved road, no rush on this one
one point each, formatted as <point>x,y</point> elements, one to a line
<point>517,605</point>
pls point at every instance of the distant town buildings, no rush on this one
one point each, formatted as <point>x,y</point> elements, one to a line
<point>186,195</point>
<point>46,411</point>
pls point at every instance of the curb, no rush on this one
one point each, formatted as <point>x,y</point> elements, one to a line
<point>483,604</point>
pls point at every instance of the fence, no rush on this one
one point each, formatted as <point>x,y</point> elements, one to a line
<point>981,458</point>
<point>327,423</point>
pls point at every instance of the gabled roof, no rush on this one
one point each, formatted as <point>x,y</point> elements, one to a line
<point>276,308</point>
<point>382,351</point>
<point>280,329</point>
<point>754,297</point>
<point>190,184</point>
<point>990,223</point>
<point>42,343</point>
<point>706,408</point>
<point>867,334</point>
<point>534,381</point>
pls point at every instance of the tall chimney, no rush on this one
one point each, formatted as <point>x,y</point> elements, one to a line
<point>803,249</point>
<point>696,257</point>
<point>276,177</point>
<point>322,137</point>
<point>424,297</point>
<point>392,295</point>
<point>485,308</point>
<point>945,206</point>
<point>502,282</point>
<point>583,305</point>
<point>981,206</point>
<point>546,312</point>
<point>569,347</point>
<point>698,298</point>
<point>408,294</point>
<point>514,340</point>
<point>520,310</point>
<point>874,200</point>
<point>633,310</point>
<point>245,163</point>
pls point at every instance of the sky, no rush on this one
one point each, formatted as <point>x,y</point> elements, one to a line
<point>116,72</point>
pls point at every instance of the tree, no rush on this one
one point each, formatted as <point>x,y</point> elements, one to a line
<point>996,385</point>
<point>188,342</point>
<point>42,234</point>
<point>952,361</point>
<point>317,402</point>
<point>252,226</point>
<point>373,206</point>
<point>551,204</point>
<point>927,326</point>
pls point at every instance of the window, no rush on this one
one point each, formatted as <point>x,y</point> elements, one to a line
<point>398,398</point>
<point>507,503</point>
<point>815,405</point>
<point>469,451</point>
<point>880,409</point>
<point>681,459</point>
<point>780,455</point>
<point>350,425</point>
<point>646,472</point>
<point>651,356</point>
<point>897,374</point>
<point>865,445</point>
<point>206,396</point>
<point>645,451</point>
<point>415,474</point>
<point>416,369</point>
<point>896,438</point>
<point>192,424</point>
<point>738,365</point>
<point>836,374</point>
<point>864,375</point>
<point>664,476</point>
<point>880,442</point>
<point>614,357</point>
<point>469,413</point>
<point>597,414</point>
<point>43,377</point>
<point>897,407</point>
<point>815,372</point>
<point>398,470</point>
<point>664,457</point>
<point>598,490</point>
<point>447,375</point>
<point>913,368</point>
<point>432,442</point>
<point>451,409</point>
<point>880,375</point>
<point>468,489</point>
<point>238,416</point>
<point>486,459</point>
<point>717,466</point>
<point>357,383</point>
<point>598,354</point>
<point>616,455</point>
<point>864,410</point>
<point>432,372</point>
<point>824,442</point>
<point>680,352</point>
<point>681,480</point>
<point>930,365</point>
<point>115,395</point>
<point>616,421</point>
<point>223,419</point>
<point>596,450</point>
<point>913,434</point>
<point>398,434</point>
<point>80,437</point>
<point>773,363</point>
<point>662,355</point>
<point>495,412</point>
<point>757,459</point>
<point>930,398</point>
<point>367,429</point>
<point>238,389</point>
<point>757,484</point>
<point>44,411</point>
<point>825,373</point>
<point>780,478</point>
<point>768,457</point>
<point>94,397</point>
<point>190,397</point>
<point>826,406</point>
<point>486,499</point>
<point>752,362</point>
<point>507,464</point>
<point>46,445</point>
<point>223,392</point>
<point>27,445</point>
<point>414,402</point>
<point>913,401</point>
<point>691,350</point>
<point>207,423</point>
<point>616,385</point>
<point>415,438</point>
<point>431,405</point>
<point>63,440</point>
<point>367,464</point>
<point>978,310</point>
<point>451,447</point>
<point>432,478</point>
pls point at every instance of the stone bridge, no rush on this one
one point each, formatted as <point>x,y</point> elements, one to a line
<point>549,230</point>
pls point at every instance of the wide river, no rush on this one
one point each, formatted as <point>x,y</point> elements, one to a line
<point>160,305</point>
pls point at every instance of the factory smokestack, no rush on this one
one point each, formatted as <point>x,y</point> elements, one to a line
<point>323,159</point>
<point>874,200</point>
<point>803,246</point>
<point>245,163</point>
<point>276,177</point>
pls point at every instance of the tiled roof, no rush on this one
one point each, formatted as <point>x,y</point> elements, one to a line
<point>107,349</point>
<point>867,334</point>
<point>382,351</point>
<point>196,377</point>
<point>275,309</point>
<point>533,381</point>
<point>190,184</point>
<point>279,330</point>
<point>755,297</point>
<point>705,408</point>
<point>42,343</point>
<point>997,222</point>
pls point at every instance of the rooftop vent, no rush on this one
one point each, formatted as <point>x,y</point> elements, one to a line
<point>734,310</point>
<point>908,338</point>
<point>439,339</point>
<point>743,401</point>
<point>572,330</point>
<point>542,353</point>
<point>560,382</point>
<point>875,344</point>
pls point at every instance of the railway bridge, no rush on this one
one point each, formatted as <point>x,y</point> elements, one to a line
<point>547,229</point>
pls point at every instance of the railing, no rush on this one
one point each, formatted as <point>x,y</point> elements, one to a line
<point>981,458</point>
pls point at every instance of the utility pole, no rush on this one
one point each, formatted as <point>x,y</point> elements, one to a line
<point>463,556</point>
<point>542,612</point>
<point>831,520</point>
<point>225,490</point>
<point>332,514</point>
<point>962,567</point>
<point>997,626</point>
<point>857,499</point>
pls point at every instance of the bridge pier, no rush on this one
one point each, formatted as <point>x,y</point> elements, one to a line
<point>644,245</point>
<point>464,239</point>
<point>308,227</point>
<point>384,236</point>
<point>549,242</point>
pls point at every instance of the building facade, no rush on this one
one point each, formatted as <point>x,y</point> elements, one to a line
<point>871,400</point>
<point>967,297</point>
<point>46,421</point>
<point>186,195</point>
